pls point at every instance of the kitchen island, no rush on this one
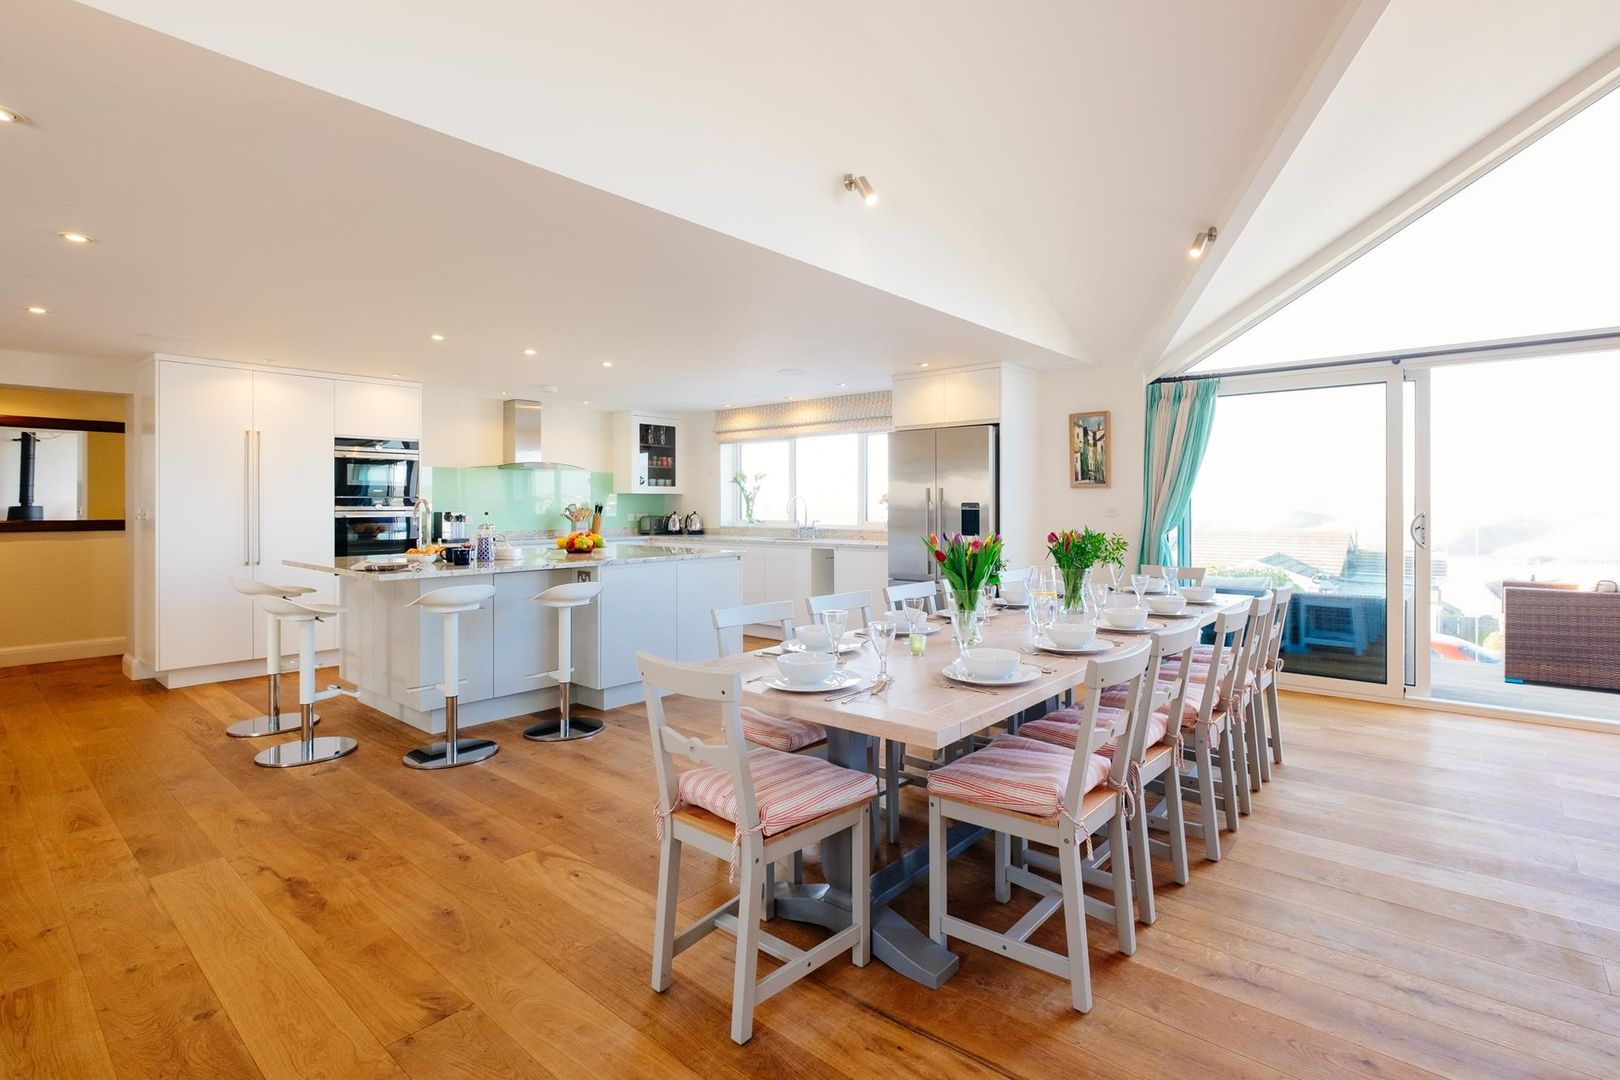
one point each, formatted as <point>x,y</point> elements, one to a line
<point>654,598</point>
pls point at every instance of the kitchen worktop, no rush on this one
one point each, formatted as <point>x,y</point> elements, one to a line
<point>744,539</point>
<point>531,558</point>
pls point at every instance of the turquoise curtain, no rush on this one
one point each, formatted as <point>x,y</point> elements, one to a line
<point>1180,416</point>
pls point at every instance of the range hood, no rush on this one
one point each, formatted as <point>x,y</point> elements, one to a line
<point>522,444</point>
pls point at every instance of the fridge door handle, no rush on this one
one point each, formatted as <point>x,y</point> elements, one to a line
<point>258,497</point>
<point>247,497</point>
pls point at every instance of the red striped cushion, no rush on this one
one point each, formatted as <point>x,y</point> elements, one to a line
<point>789,789</point>
<point>1062,728</point>
<point>784,733</point>
<point>1015,773</point>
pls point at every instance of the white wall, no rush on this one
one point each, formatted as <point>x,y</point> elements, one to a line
<point>1117,508</point>
<point>104,376</point>
<point>701,480</point>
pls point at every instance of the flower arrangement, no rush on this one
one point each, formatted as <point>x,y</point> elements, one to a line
<point>968,565</point>
<point>581,543</point>
<point>749,492</point>
<point>1076,552</point>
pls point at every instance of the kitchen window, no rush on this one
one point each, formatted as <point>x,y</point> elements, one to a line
<point>843,479</point>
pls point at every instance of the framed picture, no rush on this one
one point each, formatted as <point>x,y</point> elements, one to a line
<point>1088,450</point>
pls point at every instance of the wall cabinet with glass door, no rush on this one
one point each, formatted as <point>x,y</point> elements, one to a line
<point>647,454</point>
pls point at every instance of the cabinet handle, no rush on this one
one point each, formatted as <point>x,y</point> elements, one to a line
<point>258,497</point>
<point>247,498</point>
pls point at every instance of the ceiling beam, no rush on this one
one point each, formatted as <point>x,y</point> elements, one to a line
<point>1316,85</point>
<point>1529,125</point>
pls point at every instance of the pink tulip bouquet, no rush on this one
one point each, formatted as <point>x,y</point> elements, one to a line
<point>968,565</point>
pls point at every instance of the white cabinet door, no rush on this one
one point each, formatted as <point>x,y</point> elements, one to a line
<point>753,575</point>
<point>918,402</point>
<point>292,484</point>
<point>378,411</point>
<point>204,535</point>
<point>971,397</point>
<point>648,453</point>
<point>637,608</point>
<point>702,585</point>
<point>787,577</point>
<point>862,568</point>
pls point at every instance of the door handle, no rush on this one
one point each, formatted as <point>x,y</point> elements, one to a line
<point>1419,530</point>
<point>258,497</point>
<point>247,498</point>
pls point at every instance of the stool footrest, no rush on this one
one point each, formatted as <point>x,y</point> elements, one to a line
<point>430,686</point>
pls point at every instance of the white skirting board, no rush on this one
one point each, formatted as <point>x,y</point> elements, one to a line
<point>211,673</point>
<point>49,653</point>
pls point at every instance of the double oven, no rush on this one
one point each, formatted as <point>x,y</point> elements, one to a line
<point>375,482</point>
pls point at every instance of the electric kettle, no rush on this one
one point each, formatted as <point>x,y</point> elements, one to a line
<point>694,524</point>
<point>674,523</point>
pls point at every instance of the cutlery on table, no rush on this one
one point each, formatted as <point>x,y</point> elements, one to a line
<point>953,685</point>
<point>846,693</point>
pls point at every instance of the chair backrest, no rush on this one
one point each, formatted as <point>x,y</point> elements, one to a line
<point>1127,667</point>
<point>1194,574</point>
<point>662,678</point>
<point>859,600</point>
<point>1231,628</point>
<point>1169,644</point>
<point>926,591</point>
<point>728,623</point>
<point>1281,596</point>
<point>1257,639</point>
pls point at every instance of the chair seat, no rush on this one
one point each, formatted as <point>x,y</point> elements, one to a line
<point>789,789</point>
<point>1061,727</point>
<point>571,594</point>
<point>784,733</point>
<point>1024,775</point>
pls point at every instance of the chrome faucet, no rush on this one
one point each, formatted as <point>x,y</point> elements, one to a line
<point>424,521</point>
<point>803,528</point>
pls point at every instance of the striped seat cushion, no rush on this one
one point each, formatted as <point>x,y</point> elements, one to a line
<point>789,789</point>
<point>1015,773</point>
<point>784,733</point>
<point>1061,727</point>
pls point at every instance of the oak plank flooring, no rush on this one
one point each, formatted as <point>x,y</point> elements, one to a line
<point>1417,893</point>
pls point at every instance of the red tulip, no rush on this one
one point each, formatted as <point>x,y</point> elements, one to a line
<point>974,546</point>
<point>939,555</point>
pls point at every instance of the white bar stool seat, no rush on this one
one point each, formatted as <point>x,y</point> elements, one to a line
<point>306,749</point>
<point>274,721</point>
<point>452,750</point>
<point>564,598</point>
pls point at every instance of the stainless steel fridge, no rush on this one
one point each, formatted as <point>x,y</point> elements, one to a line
<point>941,480</point>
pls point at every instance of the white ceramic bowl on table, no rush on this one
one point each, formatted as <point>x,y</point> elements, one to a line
<point>984,663</point>
<point>1125,618</point>
<point>813,636</point>
<point>422,560</point>
<point>806,668</point>
<point>1166,605</point>
<point>1072,635</point>
<point>1198,594</point>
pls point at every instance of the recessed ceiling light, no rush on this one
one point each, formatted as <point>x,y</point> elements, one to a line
<point>503,393</point>
<point>789,397</point>
<point>547,388</point>
<point>862,187</point>
<point>791,372</point>
<point>35,309</point>
<point>843,384</point>
<point>395,375</point>
<point>77,237</point>
<point>435,337</point>
<point>11,116</point>
<point>923,364</point>
<point>607,363</point>
<point>584,403</point>
<point>530,352</point>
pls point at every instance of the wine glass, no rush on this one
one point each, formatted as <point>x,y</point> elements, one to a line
<point>836,620</point>
<point>1138,583</point>
<point>1172,584</point>
<point>881,634</point>
<point>962,622</point>
<point>915,610</point>
<point>1049,582</point>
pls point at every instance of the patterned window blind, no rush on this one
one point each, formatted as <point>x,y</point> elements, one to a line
<point>813,416</point>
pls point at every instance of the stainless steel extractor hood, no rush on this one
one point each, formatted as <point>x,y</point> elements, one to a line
<point>522,441</point>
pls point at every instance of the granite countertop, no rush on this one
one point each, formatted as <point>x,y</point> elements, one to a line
<point>733,538</point>
<point>533,558</point>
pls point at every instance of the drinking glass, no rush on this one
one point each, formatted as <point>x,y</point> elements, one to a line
<point>881,635</point>
<point>962,628</point>
<point>914,611</point>
<point>1096,593</point>
<point>1049,582</point>
<point>1138,583</point>
<point>1172,584</point>
<point>836,620</point>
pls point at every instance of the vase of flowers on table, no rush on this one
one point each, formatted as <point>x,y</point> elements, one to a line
<point>968,565</point>
<point>1075,553</point>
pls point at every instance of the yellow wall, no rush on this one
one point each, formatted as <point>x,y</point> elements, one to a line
<point>64,595</point>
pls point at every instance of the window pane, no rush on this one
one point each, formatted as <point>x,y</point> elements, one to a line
<point>766,463</point>
<point>877,477</point>
<point>1292,492</point>
<point>828,477</point>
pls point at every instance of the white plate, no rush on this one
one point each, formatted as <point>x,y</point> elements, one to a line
<point>1010,605</point>
<point>1025,673</point>
<point>924,627</point>
<point>1202,603</point>
<point>1098,646</point>
<point>838,680</point>
<point>847,644</point>
<point>1104,628</point>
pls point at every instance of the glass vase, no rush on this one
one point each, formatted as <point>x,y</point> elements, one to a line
<point>1076,582</point>
<point>970,602</point>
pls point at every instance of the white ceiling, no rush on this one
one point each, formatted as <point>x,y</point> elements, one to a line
<point>1433,78</point>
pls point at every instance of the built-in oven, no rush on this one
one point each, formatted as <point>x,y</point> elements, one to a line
<point>360,531</point>
<point>375,473</point>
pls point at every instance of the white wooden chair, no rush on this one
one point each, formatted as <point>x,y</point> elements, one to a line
<point>1267,690</point>
<point>1194,574</point>
<point>860,600</point>
<point>1251,737</point>
<point>926,591</point>
<point>1042,793</point>
<point>1207,718</point>
<point>751,806</point>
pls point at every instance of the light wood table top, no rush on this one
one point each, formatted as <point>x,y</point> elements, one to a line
<point>923,708</point>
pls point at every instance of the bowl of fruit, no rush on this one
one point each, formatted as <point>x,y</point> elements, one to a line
<point>581,543</point>
<point>424,554</point>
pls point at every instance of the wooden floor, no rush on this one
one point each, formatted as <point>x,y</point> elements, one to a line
<point>1415,893</point>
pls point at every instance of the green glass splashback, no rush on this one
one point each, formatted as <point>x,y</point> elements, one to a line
<point>525,499</point>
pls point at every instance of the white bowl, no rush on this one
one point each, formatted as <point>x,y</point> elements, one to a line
<point>1199,594</point>
<point>1015,592</point>
<point>1126,618</point>
<point>806,668</point>
<point>421,560</point>
<point>1072,635</point>
<point>1167,605</point>
<point>990,663</point>
<point>813,636</point>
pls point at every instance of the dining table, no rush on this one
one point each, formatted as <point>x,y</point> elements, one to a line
<point>923,709</point>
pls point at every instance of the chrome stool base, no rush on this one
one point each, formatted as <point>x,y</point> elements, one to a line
<point>288,755</point>
<point>443,755</point>
<point>260,726</point>
<point>563,729</point>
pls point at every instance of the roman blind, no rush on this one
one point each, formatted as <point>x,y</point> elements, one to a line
<point>812,416</point>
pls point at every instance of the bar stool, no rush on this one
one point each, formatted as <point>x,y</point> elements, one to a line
<point>564,598</point>
<point>452,750</point>
<point>306,749</point>
<point>274,722</point>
